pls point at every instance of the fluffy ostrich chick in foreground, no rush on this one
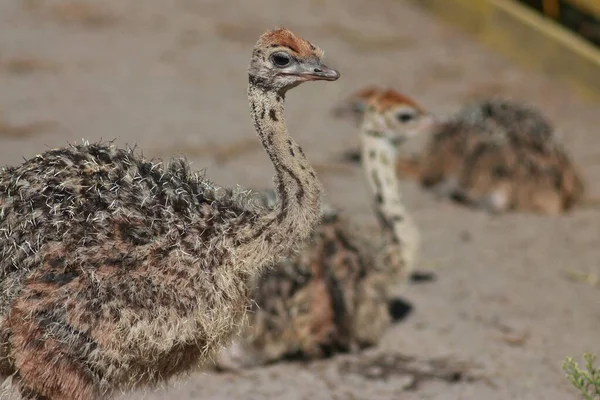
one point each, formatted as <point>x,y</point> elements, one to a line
<point>118,273</point>
<point>494,154</point>
<point>334,295</point>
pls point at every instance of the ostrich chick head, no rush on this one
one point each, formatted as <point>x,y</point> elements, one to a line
<point>396,116</point>
<point>282,60</point>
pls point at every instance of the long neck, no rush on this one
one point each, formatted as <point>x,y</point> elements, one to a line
<point>296,184</point>
<point>399,232</point>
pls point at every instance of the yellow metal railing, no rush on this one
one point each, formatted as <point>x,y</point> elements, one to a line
<point>528,37</point>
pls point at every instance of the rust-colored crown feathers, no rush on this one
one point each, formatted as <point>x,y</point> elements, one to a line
<point>391,98</point>
<point>383,100</point>
<point>282,37</point>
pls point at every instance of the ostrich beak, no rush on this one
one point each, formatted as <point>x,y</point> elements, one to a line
<point>314,70</point>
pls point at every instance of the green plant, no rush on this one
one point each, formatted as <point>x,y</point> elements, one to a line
<point>588,380</point>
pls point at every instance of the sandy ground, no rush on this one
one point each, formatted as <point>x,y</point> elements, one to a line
<point>170,76</point>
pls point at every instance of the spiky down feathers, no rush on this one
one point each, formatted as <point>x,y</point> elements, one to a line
<point>116,270</point>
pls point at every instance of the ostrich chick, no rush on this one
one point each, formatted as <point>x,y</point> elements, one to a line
<point>501,155</point>
<point>519,166</point>
<point>118,273</point>
<point>494,154</point>
<point>334,295</point>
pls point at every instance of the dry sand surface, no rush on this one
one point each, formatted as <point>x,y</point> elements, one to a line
<point>170,76</point>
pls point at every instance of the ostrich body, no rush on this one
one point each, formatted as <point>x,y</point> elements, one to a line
<point>334,295</point>
<point>501,155</point>
<point>119,273</point>
<point>520,165</point>
<point>494,154</point>
<point>316,303</point>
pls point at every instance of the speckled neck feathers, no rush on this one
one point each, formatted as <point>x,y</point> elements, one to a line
<point>296,184</point>
<point>400,233</point>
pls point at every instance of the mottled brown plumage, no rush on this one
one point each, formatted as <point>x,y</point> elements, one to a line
<point>119,272</point>
<point>522,167</point>
<point>333,296</point>
<point>500,156</point>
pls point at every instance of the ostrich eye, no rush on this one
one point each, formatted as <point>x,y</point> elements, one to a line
<point>405,117</point>
<point>281,59</point>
